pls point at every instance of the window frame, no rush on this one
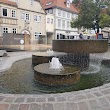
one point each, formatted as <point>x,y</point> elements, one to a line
<point>5,30</point>
<point>63,24</point>
<point>13,13</point>
<point>25,17</point>
<point>31,2</point>
<point>37,35</point>
<point>3,12</point>
<point>68,24</point>
<point>14,30</point>
<point>59,12</point>
<point>59,23</point>
<point>36,18</point>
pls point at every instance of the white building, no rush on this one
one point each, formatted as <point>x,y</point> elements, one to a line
<point>63,12</point>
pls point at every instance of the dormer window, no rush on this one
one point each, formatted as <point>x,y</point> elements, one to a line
<point>68,3</point>
<point>49,3</point>
<point>31,2</point>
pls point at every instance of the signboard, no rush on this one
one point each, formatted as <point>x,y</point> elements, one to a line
<point>21,41</point>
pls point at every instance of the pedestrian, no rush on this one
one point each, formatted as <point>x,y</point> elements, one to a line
<point>81,36</point>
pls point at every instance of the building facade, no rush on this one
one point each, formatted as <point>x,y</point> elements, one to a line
<point>63,11</point>
<point>49,28</point>
<point>24,17</point>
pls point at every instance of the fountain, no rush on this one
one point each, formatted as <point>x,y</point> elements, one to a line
<point>55,64</point>
<point>54,74</point>
<point>76,60</point>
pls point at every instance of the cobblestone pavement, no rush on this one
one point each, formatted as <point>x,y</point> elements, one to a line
<point>90,99</point>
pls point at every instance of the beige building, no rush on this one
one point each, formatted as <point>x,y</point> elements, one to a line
<point>25,17</point>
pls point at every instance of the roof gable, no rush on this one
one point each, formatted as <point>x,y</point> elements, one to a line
<point>9,2</point>
<point>58,3</point>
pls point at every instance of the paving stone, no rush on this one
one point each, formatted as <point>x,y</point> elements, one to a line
<point>106,108</point>
<point>19,100</point>
<point>78,98</point>
<point>35,107</point>
<point>59,106</point>
<point>4,106</point>
<point>14,107</point>
<point>24,107</point>
<point>31,100</point>
<point>47,106</point>
<point>51,99</point>
<point>88,95</point>
<point>97,94</point>
<point>83,106</point>
<point>71,106</point>
<point>94,89</point>
<point>9,99</point>
<point>1,98</point>
<point>41,99</point>
<point>60,99</point>
<point>94,104</point>
<point>56,95</point>
<point>106,92</point>
<point>103,102</point>
<point>108,97</point>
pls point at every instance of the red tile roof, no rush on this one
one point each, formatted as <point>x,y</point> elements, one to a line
<point>8,2</point>
<point>58,3</point>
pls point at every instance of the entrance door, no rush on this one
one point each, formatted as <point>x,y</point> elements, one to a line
<point>26,39</point>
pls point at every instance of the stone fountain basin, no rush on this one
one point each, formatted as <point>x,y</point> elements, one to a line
<point>80,46</point>
<point>43,74</point>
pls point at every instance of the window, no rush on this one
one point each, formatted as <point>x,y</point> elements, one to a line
<point>17,1</point>
<point>14,30</point>
<point>13,13</point>
<point>49,3</point>
<point>59,22</point>
<point>63,13</point>
<point>36,35</point>
<point>37,18</point>
<point>5,30</point>
<point>68,15</point>
<point>68,24</point>
<point>51,21</point>
<point>63,23</point>
<point>74,16</point>
<point>50,11</point>
<point>32,2</point>
<point>68,3</point>
<point>59,12</point>
<point>25,16</point>
<point>5,12</point>
<point>48,20</point>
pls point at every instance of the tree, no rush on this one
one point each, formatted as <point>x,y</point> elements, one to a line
<point>104,20</point>
<point>91,16</point>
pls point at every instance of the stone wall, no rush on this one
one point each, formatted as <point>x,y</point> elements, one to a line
<point>1,40</point>
<point>15,39</point>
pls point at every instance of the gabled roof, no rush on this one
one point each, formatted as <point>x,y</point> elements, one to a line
<point>58,3</point>
<point>8,2</point>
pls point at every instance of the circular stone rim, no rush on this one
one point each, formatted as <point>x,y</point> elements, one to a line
<point>55,79</point>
